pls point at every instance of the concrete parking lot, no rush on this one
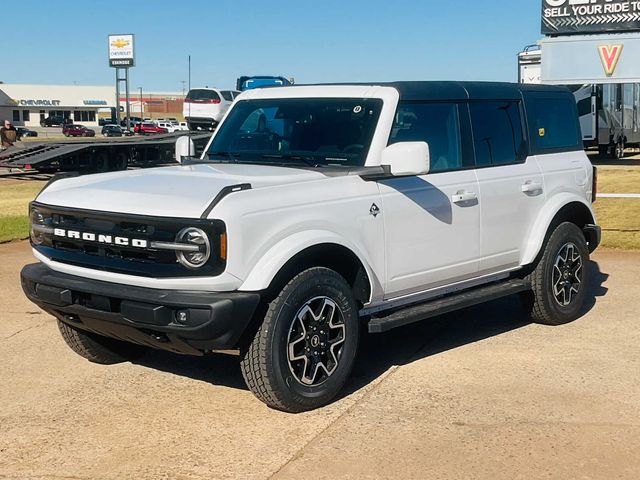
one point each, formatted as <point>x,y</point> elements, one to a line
<point>476,394</point>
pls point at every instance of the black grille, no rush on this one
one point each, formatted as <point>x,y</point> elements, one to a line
<point>125,259</point>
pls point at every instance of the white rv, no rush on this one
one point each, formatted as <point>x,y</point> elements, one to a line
<point>609,113</point>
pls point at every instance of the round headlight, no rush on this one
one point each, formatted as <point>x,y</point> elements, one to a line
<point>36,220</point>
<point>194,258</point>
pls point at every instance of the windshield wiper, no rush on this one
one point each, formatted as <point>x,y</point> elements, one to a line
<point>311,161</point>
<point>227,155</point>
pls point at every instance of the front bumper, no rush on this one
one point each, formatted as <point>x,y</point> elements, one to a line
<point>146,316</point>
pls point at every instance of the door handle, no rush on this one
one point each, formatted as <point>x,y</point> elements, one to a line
<point>464,196</point>
<point>532,187</point>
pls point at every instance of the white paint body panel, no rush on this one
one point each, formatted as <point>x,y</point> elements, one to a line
<point>429,240</point>
<point>180,191</point>
<point>507,212</point>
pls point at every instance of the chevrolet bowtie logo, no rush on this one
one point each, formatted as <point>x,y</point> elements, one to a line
<point>120,43</point>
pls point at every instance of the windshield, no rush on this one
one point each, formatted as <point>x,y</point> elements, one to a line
<point>312,131</point>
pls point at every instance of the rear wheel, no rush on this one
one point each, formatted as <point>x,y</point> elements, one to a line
<point>560,280</point>
<point>98,349</point>
<point>101,163</point>
<point>603,150</point>
<point>619,150</point>
<point>303,352</point>
<point>119,162</point>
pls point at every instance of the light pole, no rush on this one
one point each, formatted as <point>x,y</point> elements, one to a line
<point>141,105</point>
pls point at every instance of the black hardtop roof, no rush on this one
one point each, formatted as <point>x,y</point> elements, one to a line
<point>451,90</point>
<point>468,90</point>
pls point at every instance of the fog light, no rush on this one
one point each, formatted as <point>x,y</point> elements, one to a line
<point>182,316</point>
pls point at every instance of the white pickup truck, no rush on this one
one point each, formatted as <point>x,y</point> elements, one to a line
<point>317,212</point>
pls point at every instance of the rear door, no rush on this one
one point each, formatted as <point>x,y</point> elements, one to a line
<point>510,181</point>
<point>432,222</point>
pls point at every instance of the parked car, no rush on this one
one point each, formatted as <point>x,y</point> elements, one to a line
<point>107,121</point>
<point>134,121</point>
<point>112,131</point>
<point>148,128</point>
<point>182,126</point>
<point>204,107</point>
<point>55,121</point>
<point>399,202</point>
<point>77,130</point>
<point>25,132</point>
<point>171,127</point>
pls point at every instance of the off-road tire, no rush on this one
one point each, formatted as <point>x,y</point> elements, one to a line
<point>618,152</point>
<point>266,365</point>
<point>541,303</point>
<point>98,349</point>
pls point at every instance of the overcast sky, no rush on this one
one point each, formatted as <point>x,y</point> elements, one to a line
<point>56,42</point>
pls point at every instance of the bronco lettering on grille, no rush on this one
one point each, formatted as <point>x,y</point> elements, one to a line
<point>101,238</point>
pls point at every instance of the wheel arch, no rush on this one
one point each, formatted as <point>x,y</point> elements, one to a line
<point>294,255</point>
<point>564,208</point>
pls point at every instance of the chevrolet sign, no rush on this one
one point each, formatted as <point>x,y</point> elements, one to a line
<point>121,53</point>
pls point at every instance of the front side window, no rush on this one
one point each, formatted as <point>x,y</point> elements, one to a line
<point>312,131</point>
<point>226,94</point>
<point>497,132</point>
<point>438,124</point>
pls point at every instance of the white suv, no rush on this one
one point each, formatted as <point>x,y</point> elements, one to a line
<point>204,107</point>
<point>319,211</point>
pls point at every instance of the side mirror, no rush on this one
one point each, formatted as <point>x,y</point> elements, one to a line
<point>407,158</point>
<point>184,148</point>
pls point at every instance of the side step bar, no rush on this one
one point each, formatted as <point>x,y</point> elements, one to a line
<point>446,304</point>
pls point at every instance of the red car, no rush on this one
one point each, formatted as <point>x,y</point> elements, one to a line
<point>147,128</point>
<point>76,130</point>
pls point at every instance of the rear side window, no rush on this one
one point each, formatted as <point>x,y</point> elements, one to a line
<point>497,132</point>
<point>202,95</point>
<point>438,124</point>
<point>553,122</point>
<point>226,94</point>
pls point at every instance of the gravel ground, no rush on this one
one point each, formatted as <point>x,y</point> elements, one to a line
<point>477,394</point>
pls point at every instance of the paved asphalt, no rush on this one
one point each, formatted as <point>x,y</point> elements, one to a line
<point>477,394</point>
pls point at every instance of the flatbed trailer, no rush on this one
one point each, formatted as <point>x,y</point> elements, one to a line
<point>97,156</point>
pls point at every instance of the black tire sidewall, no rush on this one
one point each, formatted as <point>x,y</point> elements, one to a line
<point>563,234</point>
<point>327,283</point>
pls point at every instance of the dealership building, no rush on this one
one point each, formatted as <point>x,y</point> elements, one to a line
<point>27,105</point>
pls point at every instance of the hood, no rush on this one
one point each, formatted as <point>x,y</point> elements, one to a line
<point>180,191</point>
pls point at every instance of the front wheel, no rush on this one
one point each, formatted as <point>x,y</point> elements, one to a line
<point>96,348</point>
<point>303,352</point>
<point>561,278</point>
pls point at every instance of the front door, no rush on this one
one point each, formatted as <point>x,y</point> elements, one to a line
<point>432,222</point>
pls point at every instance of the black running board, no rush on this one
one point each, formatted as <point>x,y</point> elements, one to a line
<point>455,301</point>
